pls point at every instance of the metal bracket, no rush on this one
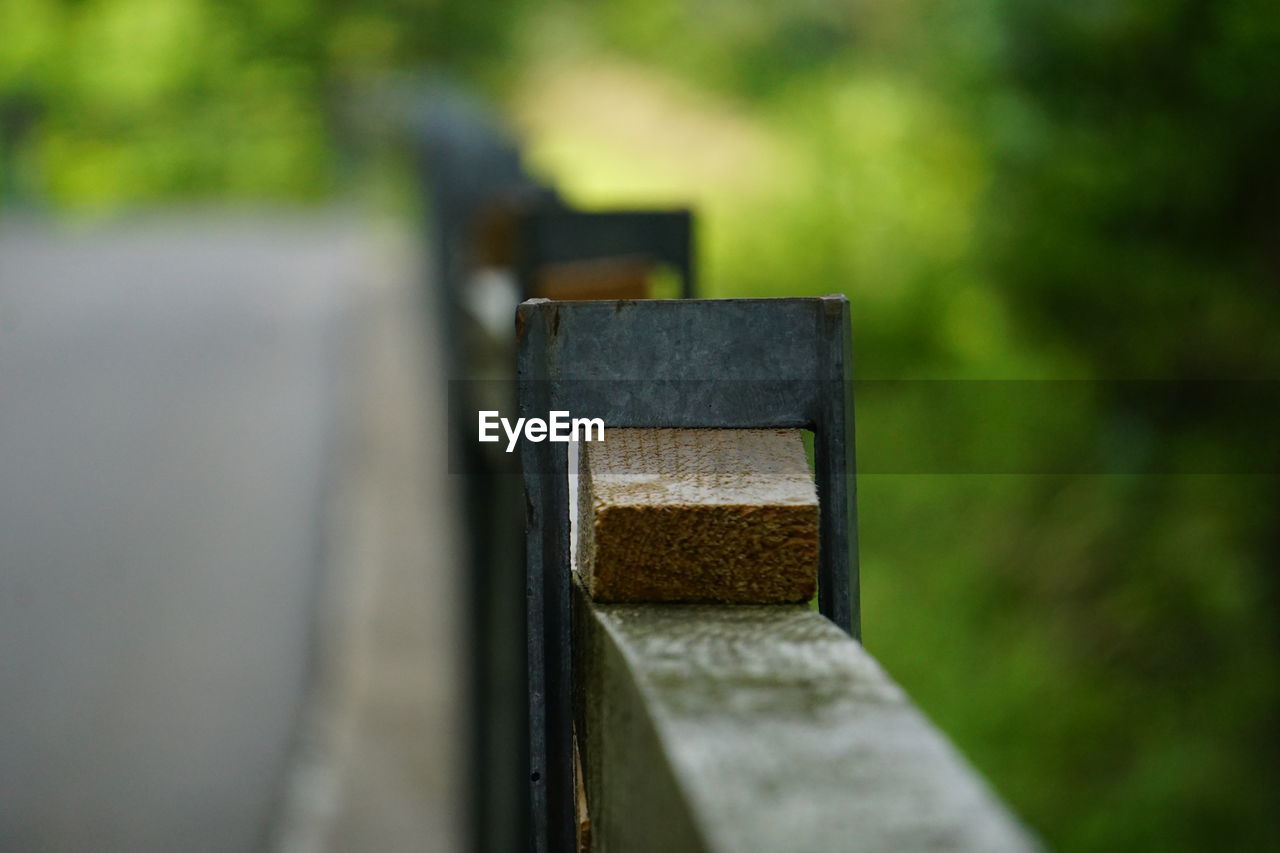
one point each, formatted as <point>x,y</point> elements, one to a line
<point>548,234</point>
<point>715,363</point>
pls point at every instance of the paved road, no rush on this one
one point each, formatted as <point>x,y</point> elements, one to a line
<point>175,404</point>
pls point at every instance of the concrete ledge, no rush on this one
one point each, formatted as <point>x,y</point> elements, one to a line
<point>736,729</point>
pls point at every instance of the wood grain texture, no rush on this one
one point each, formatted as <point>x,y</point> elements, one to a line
<point>684,515</point>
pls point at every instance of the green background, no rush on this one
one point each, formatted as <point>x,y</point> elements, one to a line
<point>1027,191</point>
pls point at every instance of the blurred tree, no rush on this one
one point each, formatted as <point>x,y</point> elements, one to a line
<point>1135,223</point>
<point>1038,189</point>
<point>148,99</point>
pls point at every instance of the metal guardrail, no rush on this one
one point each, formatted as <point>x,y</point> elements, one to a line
<point>668,727</point>
<point>719,729</point>
<point>549,235</point>
<point>487,210</point>
<point>718,363</point>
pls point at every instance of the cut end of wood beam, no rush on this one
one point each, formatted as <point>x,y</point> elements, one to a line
<point>609,278</point>
<point>697,515</point>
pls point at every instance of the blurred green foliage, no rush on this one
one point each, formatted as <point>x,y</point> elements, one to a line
<point>1006,189</point>
<point>1026,190</point>
<point>130,101</point>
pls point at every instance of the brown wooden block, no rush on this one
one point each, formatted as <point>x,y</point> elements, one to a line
<point>697,515</point>
<point>607,278</point>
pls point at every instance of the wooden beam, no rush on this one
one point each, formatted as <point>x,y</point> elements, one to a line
<point>714,729</point>
<point>697,515</point>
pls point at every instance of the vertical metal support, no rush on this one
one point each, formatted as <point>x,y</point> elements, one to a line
<point>839,596</point>
<point>713,363</point>
<point>548,591</point>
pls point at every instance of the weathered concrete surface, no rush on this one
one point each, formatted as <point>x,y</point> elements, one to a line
<point>758,729</point>
<point>724,515</point>
<point>176,394</point>
<point>381,754</point>
<point>170,396</point>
